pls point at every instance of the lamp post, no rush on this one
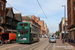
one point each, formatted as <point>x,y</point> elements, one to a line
<point>65,18</point>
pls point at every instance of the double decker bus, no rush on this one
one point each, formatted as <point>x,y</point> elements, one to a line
<point>27,32</point>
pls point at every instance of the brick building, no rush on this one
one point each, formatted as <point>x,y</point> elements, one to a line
<point>35,20</point>
<point>71,18</point>
<point>2,14</point>
<point>31,20</point>
<point>46,30</point>
<point>60,26</point>
<point>41,23</point>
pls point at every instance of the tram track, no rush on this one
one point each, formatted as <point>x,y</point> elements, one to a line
<point>39,46</point>
<point>28,46</point>
<point>46,47</point>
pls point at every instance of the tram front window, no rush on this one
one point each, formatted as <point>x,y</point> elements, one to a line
<point>23,32</point>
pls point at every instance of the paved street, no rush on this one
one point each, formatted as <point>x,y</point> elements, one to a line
<point>42,45</point>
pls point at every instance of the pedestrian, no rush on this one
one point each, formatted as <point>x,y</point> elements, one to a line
<point>69,39</point>
<point>63,40</point>
<point>72,39</point>
<point>2,39</point>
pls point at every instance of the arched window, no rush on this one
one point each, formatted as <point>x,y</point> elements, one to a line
<point>0,19</point>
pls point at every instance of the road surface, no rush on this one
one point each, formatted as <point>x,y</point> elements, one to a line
<point>42,45</point>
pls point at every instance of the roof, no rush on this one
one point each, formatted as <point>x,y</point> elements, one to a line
<point>8,9</point>
<point>17,16</point>
<point>26,18</point>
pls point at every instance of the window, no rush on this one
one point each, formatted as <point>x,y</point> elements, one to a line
<point>23,24</point>
<point>74,5</point>
<point>20,19</point>
<point>1,6</point>
<point>0,18</point>
<point>10,21</point>
<point>14,23</point>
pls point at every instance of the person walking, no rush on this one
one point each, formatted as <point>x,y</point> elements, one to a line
<point>63,40</point>
<point>69,39</point>
<point>2,39</point>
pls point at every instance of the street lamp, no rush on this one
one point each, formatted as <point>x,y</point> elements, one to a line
<point>65,18</point>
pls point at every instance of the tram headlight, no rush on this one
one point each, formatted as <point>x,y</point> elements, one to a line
<point>18,34</point>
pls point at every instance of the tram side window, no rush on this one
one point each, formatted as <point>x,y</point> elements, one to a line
<point>23,32</point>
<point>34,35</point>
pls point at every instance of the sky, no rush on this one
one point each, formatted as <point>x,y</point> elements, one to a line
<point>52,8</point>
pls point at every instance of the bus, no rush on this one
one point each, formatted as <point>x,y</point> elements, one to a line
<point>27,32</point>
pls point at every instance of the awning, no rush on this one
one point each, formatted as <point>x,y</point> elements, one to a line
<point>64,32</point>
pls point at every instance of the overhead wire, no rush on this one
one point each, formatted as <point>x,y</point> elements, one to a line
<point>16,9</point>
<point>24,14</point>
<point>43,11</point>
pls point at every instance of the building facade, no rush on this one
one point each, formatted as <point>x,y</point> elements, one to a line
<point>46,30</point>
<point>11,20</point>
<point>71,19</point>
<point>41,23</point>
<point>2,14</point>
<point>62,28</point>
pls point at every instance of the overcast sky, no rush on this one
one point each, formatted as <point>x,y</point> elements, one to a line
<point>52,8</point>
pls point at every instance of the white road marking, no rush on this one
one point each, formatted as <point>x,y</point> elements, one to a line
<point>53,46</point>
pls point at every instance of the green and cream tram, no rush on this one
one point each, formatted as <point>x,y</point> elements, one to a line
<point>27,32</point>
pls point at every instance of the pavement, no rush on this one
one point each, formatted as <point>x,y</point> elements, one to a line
<point>72,44</point>
<point>63,46</point>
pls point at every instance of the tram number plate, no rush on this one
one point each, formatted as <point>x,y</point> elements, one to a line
<point>22,41</point>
